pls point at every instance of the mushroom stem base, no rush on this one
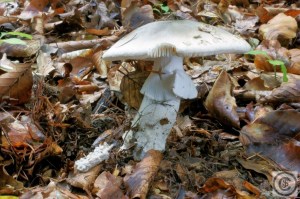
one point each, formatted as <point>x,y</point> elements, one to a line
<point>151,126</point>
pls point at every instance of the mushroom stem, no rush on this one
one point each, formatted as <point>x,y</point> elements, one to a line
<point>151,126</point>
<point>170,82</point>
<point>157,114</point>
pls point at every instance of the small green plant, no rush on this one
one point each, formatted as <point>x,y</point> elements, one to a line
<point>14,40</point>
<point>161,8</point>
<point>274,63</point>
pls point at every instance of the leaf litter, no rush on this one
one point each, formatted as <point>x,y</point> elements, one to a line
<point>60,100</point>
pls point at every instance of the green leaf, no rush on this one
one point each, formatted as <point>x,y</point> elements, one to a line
<point>165,8</point>
<point>14,41</point>
<point>20,34</point>
<point>284,72</point>
<point>276,62</point>
<point>6,1</point>
<point>161,8</point>
<point>282,68</point>
<point>258,52</point>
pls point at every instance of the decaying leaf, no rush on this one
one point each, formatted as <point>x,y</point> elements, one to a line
<point>31,48</point>
<point>259,165</point>
<point>273,49</point>
<point>116,74</point>
<point>107,186</point>
<point>136,15</point>
<point>274,135</point>
<point>84,180</point>
<point>138,182</point>
<point>20,132</point>
<point>131,85</point>
<point>220,102</point>
<point>233,177</point>
<point>294,61</point>
<point>15,85</point>
<point>52,190</point>
<point>44,63</point>
<point>288,92</point>
<point>219,188</point>
<point>281,26</point>
<point>23,137</point>
<point>256,83</point>
<point>263,14</point>
<point>8,184</point>
<point>100,65</point>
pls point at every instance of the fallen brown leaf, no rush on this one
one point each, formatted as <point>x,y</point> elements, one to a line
<point>288,92</point>
<point>220,102</point>
<point>273,136</point>
<point>52,190</point>
<point>16,84</point>
<point>131,85</point>
<point>107,186</point>
<point>136,15</point>
<point>31,48</point>
<point>84,180</point>
<point>138,182</point>
<point>219,188</point>
<point>8,184</point>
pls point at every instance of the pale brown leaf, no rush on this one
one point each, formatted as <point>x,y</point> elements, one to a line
<point>280,26</point>
<point>84,180</point>
<point>107,186</point>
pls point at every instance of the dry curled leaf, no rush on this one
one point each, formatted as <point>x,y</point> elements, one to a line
<point>220,102</point>
<point>281,26</point>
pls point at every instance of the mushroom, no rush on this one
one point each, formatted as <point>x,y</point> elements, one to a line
<point>167,43</point>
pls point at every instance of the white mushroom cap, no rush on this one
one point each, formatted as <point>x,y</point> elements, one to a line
<point>182,38</point>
